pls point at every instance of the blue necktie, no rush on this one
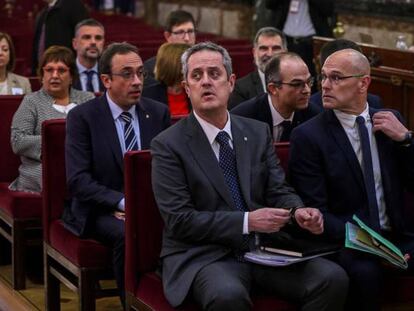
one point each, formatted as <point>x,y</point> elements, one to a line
<point>368,173</point>
<point>89,77</point>
<point>129,133</point>
<point>228,165</point>
<point>287,129</point>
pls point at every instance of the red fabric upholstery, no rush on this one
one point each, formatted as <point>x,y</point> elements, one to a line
<point>9,162</point>
<point>19,204</point>
<point>85,253</point>
<point>143,240</point>
<point>282,151</point>
<point>35,83</point>
<point>242,62</point>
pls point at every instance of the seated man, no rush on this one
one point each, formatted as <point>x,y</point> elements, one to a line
<point>329,48</point>
<point>285,105</point>
<point>268,42</point>
<point>353,159</point>
<point>217,183</point>
<point>97,136</point>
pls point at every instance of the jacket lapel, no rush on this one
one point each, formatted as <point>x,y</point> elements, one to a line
<point>344,144</point>
<point>264,113</point>
<point>257,82</point>
<point>145,122</point>
<point>204,155</point>
<point>108,128</point>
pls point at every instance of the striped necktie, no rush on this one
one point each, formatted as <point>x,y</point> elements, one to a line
<point>129,133</point>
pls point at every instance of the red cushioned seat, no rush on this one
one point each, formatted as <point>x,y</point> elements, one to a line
<point>143,234</point>
<point>86,253</point>
<point>77,263</point>
<point>20,204</point>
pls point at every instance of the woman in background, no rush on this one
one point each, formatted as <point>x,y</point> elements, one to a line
<point>10,83</point>
<point>169,89</point>
<point>57,71</point>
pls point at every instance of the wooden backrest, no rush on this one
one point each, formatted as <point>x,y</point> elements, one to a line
<point>53,171</point>
<point>9,162</point>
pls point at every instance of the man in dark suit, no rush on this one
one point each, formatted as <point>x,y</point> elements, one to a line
<point>55,25</point>
<point>268,42</point>
<point>285,106</point>
<point>98,133</point>
<point>217,183</point>
<point>300,20</point>
<point>329,48</point>
<point>353,159</point>
<point>88,43</point>
<point>179,28</point>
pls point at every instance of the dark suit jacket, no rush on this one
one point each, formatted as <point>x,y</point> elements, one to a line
<point>326,173</point>
<point>94,160</point>
<point>321,13</point>
<point>245,88</point>
<point>149,66</point>
<point>258,108</point>
<point>201,221</point>
<point>60,22</point>
<point>374,101</point>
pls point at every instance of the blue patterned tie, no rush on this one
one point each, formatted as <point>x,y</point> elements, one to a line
<point>89,77</point>
<point>228,165</point>
<point>368,173</point>
<point>129,133</point>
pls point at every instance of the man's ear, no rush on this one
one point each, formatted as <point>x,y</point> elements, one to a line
<point>167,36</point>
<point>185,86</point>
<point>232,81</point>
<point>106,80</point>
<point>74,43</point>
<point>272,88</point>
<point>365,81</point>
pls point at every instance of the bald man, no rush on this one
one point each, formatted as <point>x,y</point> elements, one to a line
<point>354,159</point>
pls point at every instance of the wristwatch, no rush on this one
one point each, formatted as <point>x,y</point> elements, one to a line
<point>408,138</point>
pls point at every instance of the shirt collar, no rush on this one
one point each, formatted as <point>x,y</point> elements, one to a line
<point>211,131</point>
<point>262,79</point>
<point>52,3</point>
<point>348,120</point>
<point>116,110</point>
<point>82,69</point>
<point>276,117</point>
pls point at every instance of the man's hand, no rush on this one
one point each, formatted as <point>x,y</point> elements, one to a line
<point>388,123</point>
<point>310,219</point>
<point>268,219</point>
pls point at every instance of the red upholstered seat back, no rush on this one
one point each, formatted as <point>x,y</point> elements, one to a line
<point>282,151</point>
<point>9,162</point>
<point>144,225</point>
<point>53,171</point>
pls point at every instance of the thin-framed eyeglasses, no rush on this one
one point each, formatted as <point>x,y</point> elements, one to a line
<point>60,70</point>
<point>298,84</point>
<point>336,78</point>
<point>130,74</point>
<point>182,33</point>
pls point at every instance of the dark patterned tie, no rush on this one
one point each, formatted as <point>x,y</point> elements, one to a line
<point>287,129</point>
<point>129,133</point>
<point>368,171</point>
<point>89,78</point>
<point>228,165</point>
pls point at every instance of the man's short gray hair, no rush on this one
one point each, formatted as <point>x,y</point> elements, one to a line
<point>270,32</point>
<point>206,46</point>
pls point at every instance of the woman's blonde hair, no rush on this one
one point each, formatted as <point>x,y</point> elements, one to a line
<point>168,65</point>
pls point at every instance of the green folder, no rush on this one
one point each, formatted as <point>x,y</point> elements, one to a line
<point>365,239</point>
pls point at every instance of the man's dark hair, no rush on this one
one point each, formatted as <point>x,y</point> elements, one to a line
<point>105,62</point>
<point>88,22</point>
<point>335,46</point>
<point>178,17</point>
<point>272,71</point>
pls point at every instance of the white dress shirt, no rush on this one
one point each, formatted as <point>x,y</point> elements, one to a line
<point>277,120</point>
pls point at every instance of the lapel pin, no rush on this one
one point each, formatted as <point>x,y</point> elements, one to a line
<point>147,116</point>
<point>245,138</point>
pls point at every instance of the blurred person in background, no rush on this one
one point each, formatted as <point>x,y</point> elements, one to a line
<point>57,71</point>
<point>168,89</point>
<point>10,83</point>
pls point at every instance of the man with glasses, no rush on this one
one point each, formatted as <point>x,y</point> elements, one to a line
<point>285,105</point>
<point>353,159</point>
<point>98,134</point>
<point>179,28</point>
<point>329,48</point>
<point>268,42</point>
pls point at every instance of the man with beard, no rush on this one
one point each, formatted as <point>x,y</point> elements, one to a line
<point>88,43</point>
<point>97,136</point>
<point>285,105</point>
<point>267,42</point>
